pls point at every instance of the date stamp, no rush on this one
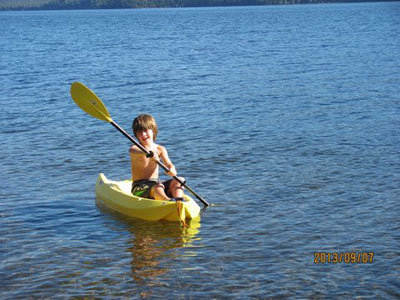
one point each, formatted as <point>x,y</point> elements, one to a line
<point>343,257</point>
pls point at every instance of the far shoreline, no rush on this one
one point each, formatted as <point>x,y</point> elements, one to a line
<point>190,4</point>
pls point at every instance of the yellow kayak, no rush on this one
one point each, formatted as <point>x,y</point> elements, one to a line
<point>117,196</point>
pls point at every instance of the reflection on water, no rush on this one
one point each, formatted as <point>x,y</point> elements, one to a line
<point>152,243</point>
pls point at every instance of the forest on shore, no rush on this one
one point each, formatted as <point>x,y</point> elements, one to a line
<point>110,4</point>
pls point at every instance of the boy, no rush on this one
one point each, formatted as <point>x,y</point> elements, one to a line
<point>145,179</point>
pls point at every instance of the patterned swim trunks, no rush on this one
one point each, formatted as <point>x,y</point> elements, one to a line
<point>142,188</point>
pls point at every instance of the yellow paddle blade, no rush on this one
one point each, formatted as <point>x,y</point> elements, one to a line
<point>89,102</point>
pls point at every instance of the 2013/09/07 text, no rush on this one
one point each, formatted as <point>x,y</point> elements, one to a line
<point>343,257</point>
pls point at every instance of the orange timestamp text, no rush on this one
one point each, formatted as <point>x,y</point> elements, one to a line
<point>343,257</point>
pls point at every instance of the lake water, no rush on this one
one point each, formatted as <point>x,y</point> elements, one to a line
<point>285,118</point>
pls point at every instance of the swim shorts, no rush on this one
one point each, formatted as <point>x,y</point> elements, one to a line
<point>142,188</point>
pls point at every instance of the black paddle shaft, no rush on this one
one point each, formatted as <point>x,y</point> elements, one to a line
<point>158,162</point>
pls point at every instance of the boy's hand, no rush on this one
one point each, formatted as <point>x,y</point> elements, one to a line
<point>182,179</point>
<point>172,172</point>
<point>153,155</point>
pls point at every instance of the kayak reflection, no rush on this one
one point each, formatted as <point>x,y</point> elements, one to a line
<point>155,245</point>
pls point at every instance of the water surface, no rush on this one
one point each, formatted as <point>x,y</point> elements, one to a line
<point>284,117</point>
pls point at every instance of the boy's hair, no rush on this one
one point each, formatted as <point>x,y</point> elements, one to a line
<point>144,122</point>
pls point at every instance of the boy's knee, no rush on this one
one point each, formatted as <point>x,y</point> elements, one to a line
<point>177,185</point>
<point>159,187</point>
<point>181,183</point>
<point>158,192</point>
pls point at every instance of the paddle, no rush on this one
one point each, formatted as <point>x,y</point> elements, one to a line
<point>92,105</point>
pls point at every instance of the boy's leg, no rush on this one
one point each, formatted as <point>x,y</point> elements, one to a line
<point>174,188</point>
<point>158,192</point>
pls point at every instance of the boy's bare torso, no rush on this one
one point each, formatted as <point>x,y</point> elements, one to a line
<point>143,167</point>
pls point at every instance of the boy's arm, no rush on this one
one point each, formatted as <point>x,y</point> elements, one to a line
<point>167,162</point>
<point>133,150</point>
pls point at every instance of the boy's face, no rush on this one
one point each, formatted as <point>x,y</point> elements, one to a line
<point>145,137</point>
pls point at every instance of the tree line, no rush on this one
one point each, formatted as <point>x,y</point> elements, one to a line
<point>104,4</point>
